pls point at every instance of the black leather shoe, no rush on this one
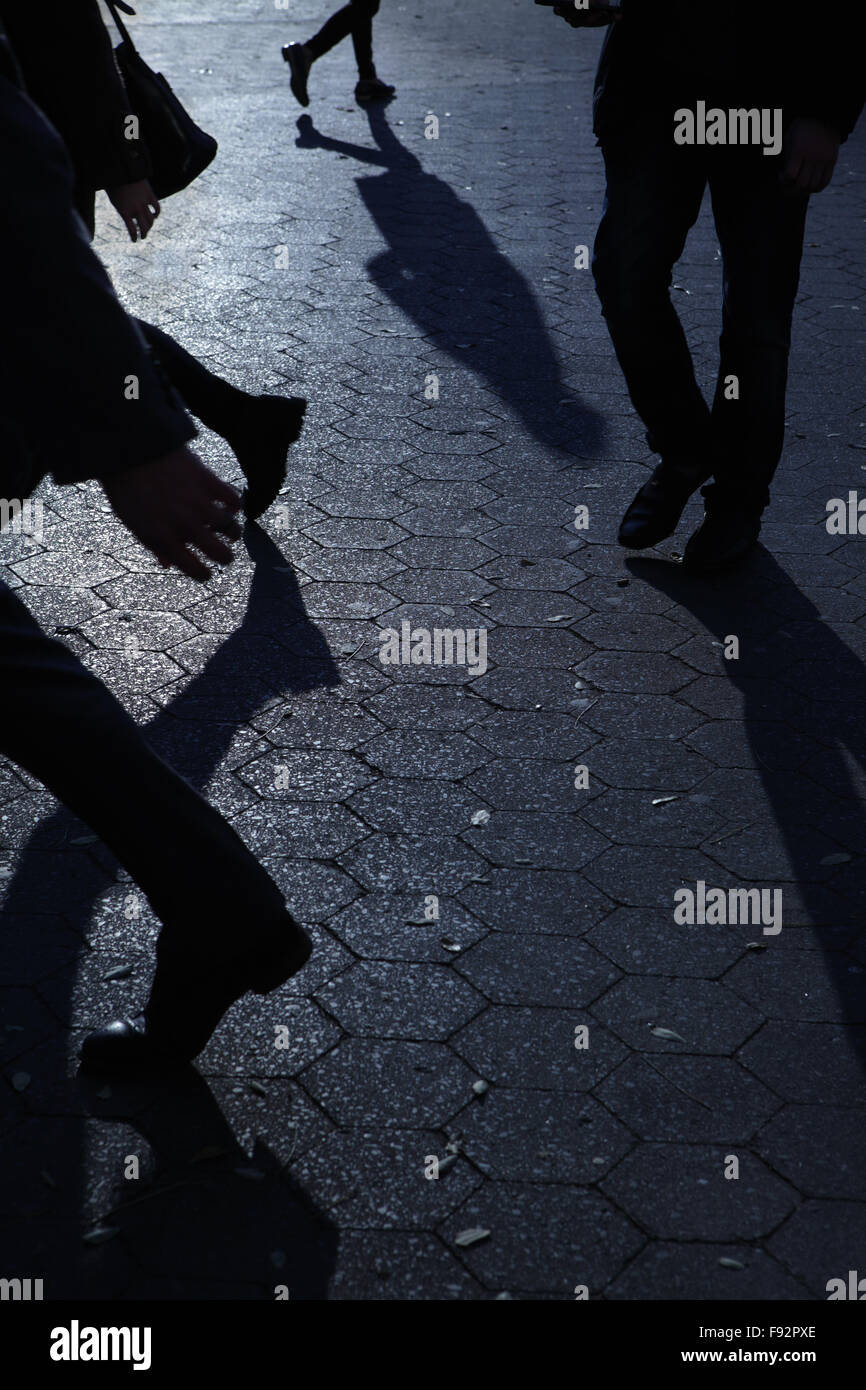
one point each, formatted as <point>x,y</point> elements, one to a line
<point>261,435</point>
<point>186,1003</point>
<point>657,508</point>
<point>299,66</point>
<point>723,539</point>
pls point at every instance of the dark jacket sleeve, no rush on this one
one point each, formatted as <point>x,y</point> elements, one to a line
<point>780,53</point>
<point>824,57</point>
<point>79,389</point>
<point>65,54</point>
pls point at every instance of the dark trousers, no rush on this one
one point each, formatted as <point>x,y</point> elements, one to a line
<point>61,724</point>
<point>209,397</point>
<point>356,19</point>
<point>653,197</point>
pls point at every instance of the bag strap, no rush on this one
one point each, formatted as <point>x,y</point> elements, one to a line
<point>114,6</point>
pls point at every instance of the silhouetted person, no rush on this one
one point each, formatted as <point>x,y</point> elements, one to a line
<point>65,55</point>
<point>65,355</point>
<point>356,19</point>
<point>666,70</point>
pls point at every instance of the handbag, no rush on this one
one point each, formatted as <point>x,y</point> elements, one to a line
<point>179,149</point>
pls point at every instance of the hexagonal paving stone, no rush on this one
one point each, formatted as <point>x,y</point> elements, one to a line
<point>642,716</point>
<point>396,1000</point>
<point>399,1265</point>
<point>795,985</point>
<point>346,600</point>
<point>424,706</point>
<point>299,830</point>
<point>527,690</point>
<point>644,942</point>
<point>301,775</point>
<point>575,1238</point>
<point>312,891</point>
<point>549,648</point>
<point>531,608</point>
<point>619,630</point>
<point>828,1066</point>
<point>512,734</point>
<point>818,1149</point>
<point>455,521</point>
<point>420,862</point>
<point>655,763</point>
<point>666,1097</point>
<point>447,553</point>
<point>548,841</point>
<point>527,784</point>
<point>245,1043</point>
<point>419,586</point>
<point>639,818</point>
<point>521,572</point>
<point>377,1180</point>
<point>354,566</point>
<point>642,673</point>
<point>552,541</point>
<point>535,1048</point>
<point>373,1083</point>
<point>680,1191</point>
<point>318,724</point>
<point>647,877</point>
<point>730,745</point>
<point>708,1016</point>
<point>395,926</point>
<point>686,1271</point>
<point>416,806</point>
<point>357,533</point>
<point>537,1136</point>
<point>546,970</point>
<point>822,1241</point>
<point>536,900</point>
<point>424,754</point>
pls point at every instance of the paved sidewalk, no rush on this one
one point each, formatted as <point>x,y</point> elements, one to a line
<point>380,794</point>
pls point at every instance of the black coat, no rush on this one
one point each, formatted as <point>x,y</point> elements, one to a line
<point>67,349</point>
<point>65,55</point>
<point>666,54</point>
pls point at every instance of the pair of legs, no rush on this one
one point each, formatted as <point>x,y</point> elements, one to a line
<point>225,925</point>
<point>355,19</point>
<point>259,429</point>
<point>653,197</point>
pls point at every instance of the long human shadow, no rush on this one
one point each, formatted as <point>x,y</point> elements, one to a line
<point>275,650</point>
<point>443,269</point>
<point>803,694</point>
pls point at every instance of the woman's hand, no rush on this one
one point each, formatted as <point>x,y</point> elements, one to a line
<point>137,205</point>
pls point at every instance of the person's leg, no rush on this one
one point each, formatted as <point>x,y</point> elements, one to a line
<point>259,429</point>
<point>760,226</point>
<point>362,37</point>
<point>220,910</point>
<point>652,199</point>
<point>370,86</point>
<point>356,19</point>
<point>332,32</point>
